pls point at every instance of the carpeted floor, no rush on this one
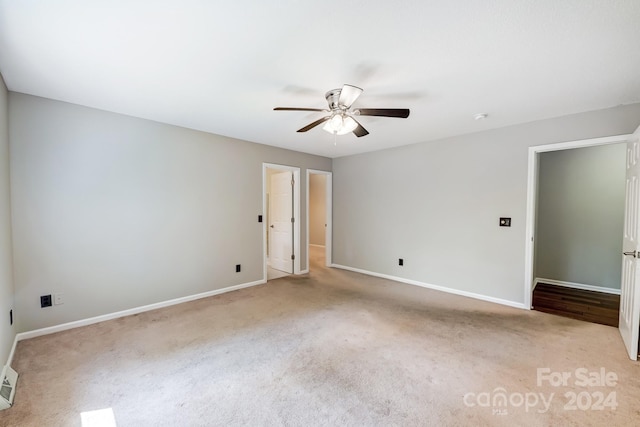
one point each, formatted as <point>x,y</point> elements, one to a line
<point>329,348</point>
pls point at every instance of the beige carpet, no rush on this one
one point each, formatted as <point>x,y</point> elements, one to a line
<point>328,348</point>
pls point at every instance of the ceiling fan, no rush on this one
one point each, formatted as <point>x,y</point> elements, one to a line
<point>342,118</point>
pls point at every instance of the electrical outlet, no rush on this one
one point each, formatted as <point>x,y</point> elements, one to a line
<point>237,268</point>
<point>45,301</point>
<point>58,299</point>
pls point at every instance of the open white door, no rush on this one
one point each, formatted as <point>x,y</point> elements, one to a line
<point>629,324</point>
<point>280,223</point>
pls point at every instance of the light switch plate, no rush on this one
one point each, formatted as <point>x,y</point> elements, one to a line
<point>505,222</point>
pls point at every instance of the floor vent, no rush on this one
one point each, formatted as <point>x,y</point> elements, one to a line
<point>8,388</point>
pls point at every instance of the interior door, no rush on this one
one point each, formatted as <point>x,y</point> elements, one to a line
<point>629,324</point>
<point>281,225</point>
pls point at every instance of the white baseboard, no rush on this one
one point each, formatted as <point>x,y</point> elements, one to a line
<point>84,322</point>
<point>435,287</point>
<point>576,286</point>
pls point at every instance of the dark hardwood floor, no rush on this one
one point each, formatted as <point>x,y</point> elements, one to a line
<point>590,306</point>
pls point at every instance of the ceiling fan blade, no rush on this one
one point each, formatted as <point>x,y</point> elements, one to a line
<point>402,113</point>
<point>348,95</point>
<point>314,124</point>
<point>360,131</point>
<point>298,109</point>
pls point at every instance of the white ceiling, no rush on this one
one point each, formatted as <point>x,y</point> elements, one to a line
<point>221,67</point>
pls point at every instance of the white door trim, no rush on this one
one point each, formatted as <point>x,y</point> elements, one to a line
<point>329,214</point>
<point>296,215</point>
<point>532,188</point>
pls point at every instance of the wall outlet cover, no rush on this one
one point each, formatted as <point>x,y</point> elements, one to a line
<point>58,299</point>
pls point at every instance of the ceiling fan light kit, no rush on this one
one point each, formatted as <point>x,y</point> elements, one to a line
<point>340,124</point>
<point>342,120</point>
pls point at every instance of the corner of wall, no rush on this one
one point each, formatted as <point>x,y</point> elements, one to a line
<point>7,291</point>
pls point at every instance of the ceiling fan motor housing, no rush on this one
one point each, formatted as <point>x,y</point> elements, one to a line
<point>332,99</point>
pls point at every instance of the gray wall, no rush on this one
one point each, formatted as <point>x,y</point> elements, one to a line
<point>7,332</point>
<point>317,209</point>
<point>117,212</point>
<point>581,196</point>
<point>437,204</point>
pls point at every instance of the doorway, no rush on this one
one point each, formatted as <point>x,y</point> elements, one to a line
<point>319,217</point>
<point>580,215</point>
<point>629,293</point>
<point>281,205</point>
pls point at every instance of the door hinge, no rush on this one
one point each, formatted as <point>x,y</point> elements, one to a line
<point>293,220</point>
<point>293,257</point>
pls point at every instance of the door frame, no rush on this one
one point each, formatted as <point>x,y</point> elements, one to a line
<point>328,241</point>
<point>296,215</point>
<point>532,198</point>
